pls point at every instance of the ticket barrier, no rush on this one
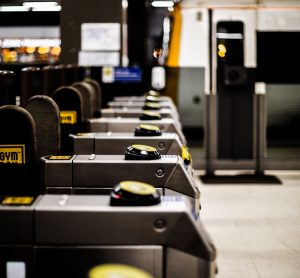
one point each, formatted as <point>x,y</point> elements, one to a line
<point>125,124</point>
<point>146,105</point>
<point>67,235</point>
<point>117,142</point>
<point>151,93</point>
<point>18,152</point>
<point>97,174</point>
<point>45,114</point>
<point>135,113</point>
<point>138,98</point>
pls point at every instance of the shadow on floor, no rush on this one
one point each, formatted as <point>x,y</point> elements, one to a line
<point>240,179</point>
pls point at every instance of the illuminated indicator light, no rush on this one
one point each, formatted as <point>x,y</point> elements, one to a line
<point>30,50</point>
<point>222,48</point>
<point>55,51</point>
<point>221,54</point>
<point>43,50</point>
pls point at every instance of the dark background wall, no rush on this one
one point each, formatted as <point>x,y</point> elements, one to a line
<point>76,12</point>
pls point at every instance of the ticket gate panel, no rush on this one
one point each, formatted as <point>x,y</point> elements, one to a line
<point>90,220</point>
<point>138,104</point>
<point>16,261</point>
<point>97,171</point>
<point>123,125</point>
<point>148,258</point>
<point>139,98</point>
<point>17,226</point>
<point>111,169</point>
<point>84,143</point>
<point>180,263</point>
<point>116,143</point>
<point>119,143</point>
<point>135,113</point>
<point>103,191</point>
<point>67,229</point>
<point>134,105</point>
<point>58,173</point>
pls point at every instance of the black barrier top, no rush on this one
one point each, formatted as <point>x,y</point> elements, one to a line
<point>51,79</point>
<point>7,87</point>
<point>45,113</point>
<point>18,164</point>
<point>98,96</point>
<point>69,98</point>
<point>31,83</point>
<point>69,101</point>
<point>67,74</point>
<point>88,98</point>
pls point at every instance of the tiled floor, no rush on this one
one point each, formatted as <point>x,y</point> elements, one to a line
<point>256,227</point>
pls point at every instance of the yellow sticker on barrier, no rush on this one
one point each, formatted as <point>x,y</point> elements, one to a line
<point>152,114</point>
<point>17,201</point>
<point>139,188</point>
<point>68,117</point>
<point>117,271</point>
<point>12,154</point>
<point>143,148</point>
<point>149,127</point>
<point>60,157</point>
<point>187,158</point>
<point>84,134</point>
<point>152,105</point>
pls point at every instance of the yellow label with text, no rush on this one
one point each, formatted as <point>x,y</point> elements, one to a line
<point>60,157</point>
<point>12,154</point>
<point>17,201</point>
<point>68,117</point>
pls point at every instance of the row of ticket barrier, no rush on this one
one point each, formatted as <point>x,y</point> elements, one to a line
<point>79,192</point>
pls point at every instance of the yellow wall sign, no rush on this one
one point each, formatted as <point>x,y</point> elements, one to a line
<point>68,117</point>
<point>12,154</point>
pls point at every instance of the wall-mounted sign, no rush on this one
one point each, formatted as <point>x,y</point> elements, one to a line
<point>121,74</point>
<point>98,58</point>
<point>100,36</point>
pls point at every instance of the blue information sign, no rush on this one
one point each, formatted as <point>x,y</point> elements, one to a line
<point>127,74</point>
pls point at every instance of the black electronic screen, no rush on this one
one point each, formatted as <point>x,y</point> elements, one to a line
<point>278,57</point>
<point>230,43</point>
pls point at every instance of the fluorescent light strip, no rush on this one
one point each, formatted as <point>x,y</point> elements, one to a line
<point>162,4</point>
<point>232,36</point>
<point>6,43</point>
<point>46,9</point>
<point>39,4</point>
<point>14,9</point>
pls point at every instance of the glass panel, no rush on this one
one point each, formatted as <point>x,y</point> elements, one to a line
<point>283,121</point>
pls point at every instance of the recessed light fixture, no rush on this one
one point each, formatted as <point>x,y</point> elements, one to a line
<point>162,4</point>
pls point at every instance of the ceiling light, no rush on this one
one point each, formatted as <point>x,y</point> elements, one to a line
<point>162,4</point>
<point>39,4</point>
<point>13,9</point>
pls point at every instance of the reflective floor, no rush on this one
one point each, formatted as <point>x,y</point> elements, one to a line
<point>256,227</point>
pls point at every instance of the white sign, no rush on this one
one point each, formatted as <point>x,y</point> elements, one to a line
<point>108,74</point>
<point>94,58</point>
<point>101,36</point>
